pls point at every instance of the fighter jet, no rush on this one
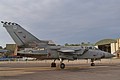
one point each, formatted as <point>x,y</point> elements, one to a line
<point>42,49</point>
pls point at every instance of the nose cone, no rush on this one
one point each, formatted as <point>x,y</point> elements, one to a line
<point>108,55</point>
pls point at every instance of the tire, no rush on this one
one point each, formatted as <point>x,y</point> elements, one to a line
<point>92,64</point>
<point>53,64</point>
<point>62,65</point>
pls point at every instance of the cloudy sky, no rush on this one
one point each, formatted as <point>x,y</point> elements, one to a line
<point>63,21</point>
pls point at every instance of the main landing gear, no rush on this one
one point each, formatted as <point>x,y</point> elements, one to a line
<point>92,64</point>
<point>53,64</point>
<point>62,65</point>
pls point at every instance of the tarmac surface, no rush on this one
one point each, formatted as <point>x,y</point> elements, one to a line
<point>76,70</point>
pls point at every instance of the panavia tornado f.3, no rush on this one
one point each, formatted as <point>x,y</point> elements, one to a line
<point>43,49</point>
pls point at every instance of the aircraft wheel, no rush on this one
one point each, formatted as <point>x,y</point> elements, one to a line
<point>53,64</point>
<point>62,65</point>
<point>92,64</point>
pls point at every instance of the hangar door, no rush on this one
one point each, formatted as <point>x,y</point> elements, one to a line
<point>105,47</point>
<point>105,44</point>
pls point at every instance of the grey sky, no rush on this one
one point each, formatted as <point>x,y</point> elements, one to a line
<point>63,21</point>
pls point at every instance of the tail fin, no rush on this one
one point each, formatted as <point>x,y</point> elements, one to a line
<point>21,36</point>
